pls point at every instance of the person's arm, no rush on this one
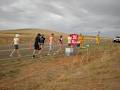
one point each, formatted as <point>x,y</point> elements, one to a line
<point>55,41</point>
<point>44,40</point>
<point>12,42</point>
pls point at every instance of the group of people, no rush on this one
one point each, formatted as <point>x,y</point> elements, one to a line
<point>39,42</point>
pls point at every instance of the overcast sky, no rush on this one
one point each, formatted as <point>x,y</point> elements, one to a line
<point>73,16</point>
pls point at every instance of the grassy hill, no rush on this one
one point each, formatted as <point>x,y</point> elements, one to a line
<point>6,36</point>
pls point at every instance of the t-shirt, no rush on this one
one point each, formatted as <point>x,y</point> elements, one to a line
<point>41,40</point>
<point>69,39</point>
<point>16,41</point>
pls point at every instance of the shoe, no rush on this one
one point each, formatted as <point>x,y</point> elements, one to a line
<point>33,56</point>
<point>10,55</point>
<point>54,53</point>
<point>57,51</point>
<point>48,54</point>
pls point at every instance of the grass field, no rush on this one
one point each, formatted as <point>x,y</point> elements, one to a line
<point>94,69</point>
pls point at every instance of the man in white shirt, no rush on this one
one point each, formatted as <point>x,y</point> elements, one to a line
<point>16,45</point>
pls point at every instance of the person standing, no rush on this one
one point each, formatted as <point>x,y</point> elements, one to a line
<point>98,39</point>
<point>60,42</point>
<point>51,42</point>
<point>43,39</point>
<point>81,40</point>
<point>69,40</point>
<point>16,45</point>
<point>37,45</point>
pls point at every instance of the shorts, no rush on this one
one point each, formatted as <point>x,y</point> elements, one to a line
<point>16,46</point>
<point>41,43</point>
<point>37,47</point>
<point>69,44</point>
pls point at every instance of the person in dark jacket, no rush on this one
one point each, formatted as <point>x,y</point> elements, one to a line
<point>41,41</point>
<point>37,45</point>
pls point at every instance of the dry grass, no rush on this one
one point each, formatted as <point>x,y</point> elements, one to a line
<point>97,70</point>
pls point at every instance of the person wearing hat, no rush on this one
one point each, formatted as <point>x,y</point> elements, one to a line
<point>16,45</point>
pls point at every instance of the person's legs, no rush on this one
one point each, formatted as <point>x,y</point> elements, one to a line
<point>50,49</point>
<point>53,49</point>
<point>12,53</point>
<point>60,47</point>
<point>18,53</point>
<point>34,53</point>
<point>36,47</point>
<point>81,44</point>
<point>40,48</point>
<point>17,50</point>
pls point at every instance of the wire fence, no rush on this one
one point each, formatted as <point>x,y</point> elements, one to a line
<point>25,51</point>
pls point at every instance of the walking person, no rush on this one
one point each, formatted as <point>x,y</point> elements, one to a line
<point>60,42</point>
<point>16,46</point>
<point>51,44</point>
<point>37,45</point>
<point>41,42</point>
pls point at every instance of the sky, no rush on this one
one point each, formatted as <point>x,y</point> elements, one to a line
<point>69,16</point>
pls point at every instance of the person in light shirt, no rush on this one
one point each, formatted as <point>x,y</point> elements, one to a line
<point>16,46</point>
<point>69,40</point>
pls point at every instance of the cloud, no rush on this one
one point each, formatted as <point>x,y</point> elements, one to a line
<point>85,16</point>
